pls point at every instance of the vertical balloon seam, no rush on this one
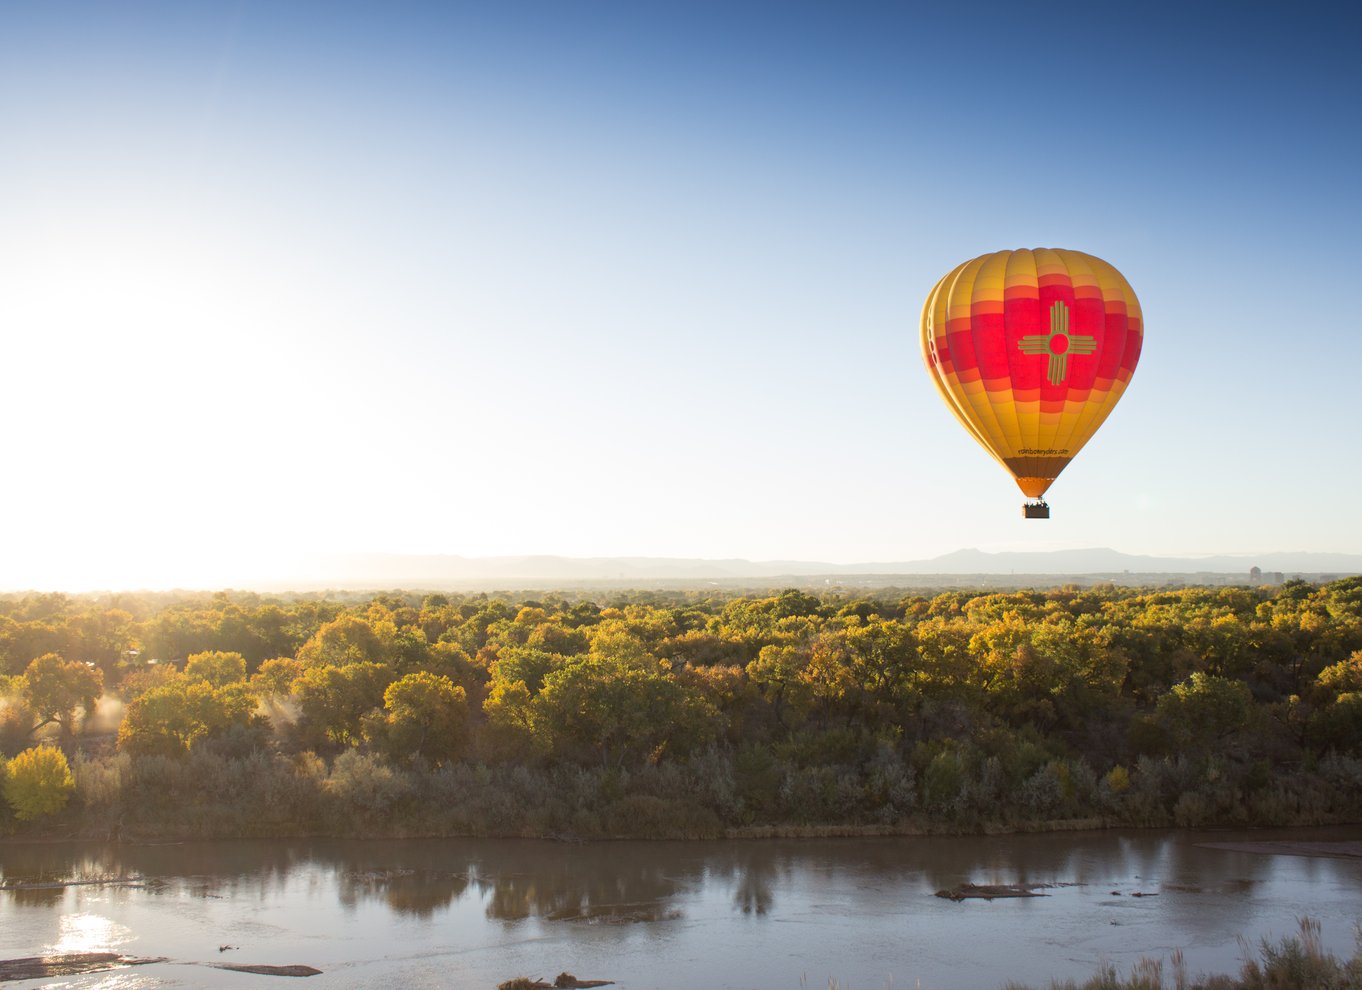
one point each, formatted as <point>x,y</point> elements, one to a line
<point>1005,259</point>
<point>1072,433</point>
<point>1028,435</point>
<point>951,378</point>
<point>1114,299</point>
<point>1114,289</point>
<point>1048,436</point>
<point>1033,481</point>
<point>931,353</point>
<point>1135,342</point>
<point>1001,403</point>
<point>948,380</point>
<point>978,399</point>
<point>1077,428</point>
<point>1096,411</point>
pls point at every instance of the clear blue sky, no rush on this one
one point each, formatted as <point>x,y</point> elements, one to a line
<point>633,279</point>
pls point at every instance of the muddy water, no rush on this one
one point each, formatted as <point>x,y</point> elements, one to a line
<point>769,914</point>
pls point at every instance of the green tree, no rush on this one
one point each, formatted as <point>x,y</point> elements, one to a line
<point>168,720</point>
<point>347,639</point>
<point>217,668</point>
<point>1205,709</point>
<point>101,637</point>
<point>555,637</point>
<point>778,672</point>
<point>1344,677</point>
<point>55,690</point>
<point>621,709</point>
<point>449,660</point>
<point>518,663</point>
<point>141,678</point>
<point>1338,725</point>
<point>515,730</point>
<point>38,783</point>
<point>425,715</point>
<point>333,701</point>
<point>276,677</point>
<point>177,632</point>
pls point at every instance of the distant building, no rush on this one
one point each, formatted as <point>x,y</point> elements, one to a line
<point>1255,574</point>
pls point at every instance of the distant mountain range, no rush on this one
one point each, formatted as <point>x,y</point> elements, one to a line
<point>435,571</point>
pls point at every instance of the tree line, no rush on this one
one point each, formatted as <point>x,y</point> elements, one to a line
<point>673,713</point>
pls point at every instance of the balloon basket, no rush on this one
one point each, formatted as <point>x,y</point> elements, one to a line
<point>1036,510</point>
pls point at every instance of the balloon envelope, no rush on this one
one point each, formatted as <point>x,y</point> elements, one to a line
<point>1031,350</point>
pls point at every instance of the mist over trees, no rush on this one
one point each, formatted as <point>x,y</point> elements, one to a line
<point>650,713</point>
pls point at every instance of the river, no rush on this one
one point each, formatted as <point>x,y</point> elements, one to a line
<point>779,914</point>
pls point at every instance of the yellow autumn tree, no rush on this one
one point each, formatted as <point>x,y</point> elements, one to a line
<point>38,783</point>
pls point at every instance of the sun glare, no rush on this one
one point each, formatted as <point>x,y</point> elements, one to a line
<point>89,933</point>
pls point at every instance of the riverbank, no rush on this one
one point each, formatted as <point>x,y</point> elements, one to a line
<point>261,794</point>
<point>746,833</point>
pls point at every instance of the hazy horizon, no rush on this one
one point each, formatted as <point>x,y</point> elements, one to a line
<point>447,572</point>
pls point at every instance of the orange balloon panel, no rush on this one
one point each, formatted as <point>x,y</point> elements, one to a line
<point>1031,350</point>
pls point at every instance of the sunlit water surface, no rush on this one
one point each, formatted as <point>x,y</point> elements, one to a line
<point>763,914</point>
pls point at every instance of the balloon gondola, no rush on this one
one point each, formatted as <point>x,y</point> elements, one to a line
<point>1031,350</point>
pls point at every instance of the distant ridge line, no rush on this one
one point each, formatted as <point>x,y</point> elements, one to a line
<point>393,570</point>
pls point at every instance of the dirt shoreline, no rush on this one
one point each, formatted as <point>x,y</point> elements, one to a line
<point>774,831</point>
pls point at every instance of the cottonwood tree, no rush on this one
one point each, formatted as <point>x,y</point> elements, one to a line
<point>275,677</point>
<point>56,690</point>
<point>1205,710</point>
<point>345,640</point>
<point>168,720</point>
<point>424,715</point>
<point>217,668</point>
<point>621,710</point>
<point>333,701</point>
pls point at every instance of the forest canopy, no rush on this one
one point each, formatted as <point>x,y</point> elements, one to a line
<point>678,713</point>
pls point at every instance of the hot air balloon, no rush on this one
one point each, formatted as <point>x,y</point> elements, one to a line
<point>1031,350</point>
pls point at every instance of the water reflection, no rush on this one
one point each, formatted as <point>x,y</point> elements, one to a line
<point>631,881</point>
<point>419,912</point>
<point>753,893</point>
<point>35,896</point>
<point>604,883</point>
<point>419,893</point>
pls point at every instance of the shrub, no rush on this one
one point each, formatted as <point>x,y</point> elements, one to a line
<point>757,778</point>
<point>944,782</point>
<point>1049,791</point>
<point>1191,810</point>
<point>1117,780</point>
<point>100,782</point>
<point>365,784</point>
